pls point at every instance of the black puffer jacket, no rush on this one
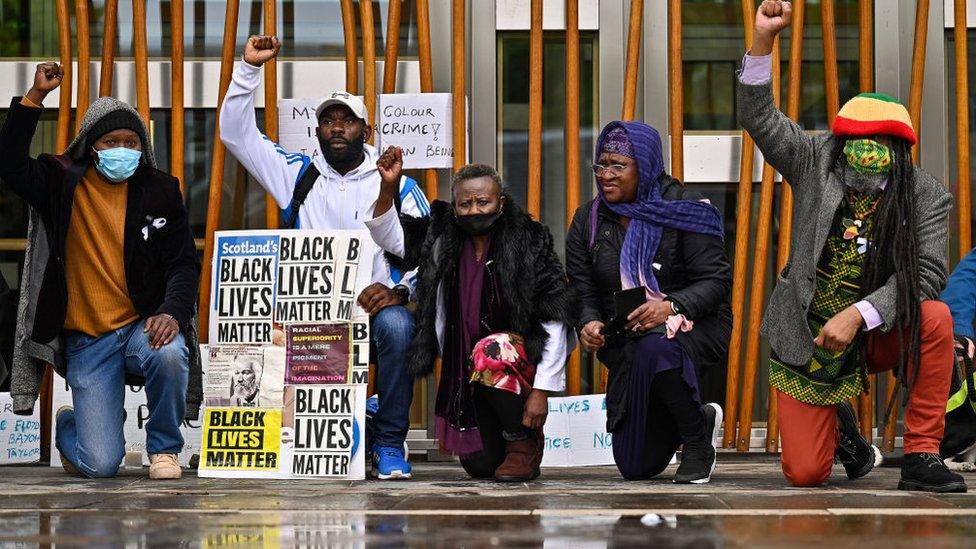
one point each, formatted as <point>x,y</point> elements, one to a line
<point>694,272</point>
<point>529,271</point>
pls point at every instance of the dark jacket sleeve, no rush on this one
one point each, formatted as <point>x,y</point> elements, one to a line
<point>414,235</point>
<point>709,276</point>
<point>551,291</point>
<point>579,268</point>
<point>179,257</point>
<point>26,176</point>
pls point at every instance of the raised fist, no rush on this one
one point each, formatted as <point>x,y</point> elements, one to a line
<point>47,77</point>
<point>258,50</point>
<point>772,17</point>
<point>390,166</point>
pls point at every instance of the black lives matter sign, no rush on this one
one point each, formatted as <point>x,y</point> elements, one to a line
<point>325,433</point>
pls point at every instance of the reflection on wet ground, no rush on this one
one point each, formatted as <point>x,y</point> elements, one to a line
<point>747,505</point>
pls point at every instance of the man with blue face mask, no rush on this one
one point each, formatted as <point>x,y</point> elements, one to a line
<point>110,281</point>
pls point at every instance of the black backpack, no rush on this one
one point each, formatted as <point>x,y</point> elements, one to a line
<point>304,186</point>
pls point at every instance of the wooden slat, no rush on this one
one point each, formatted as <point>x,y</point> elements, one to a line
<point>83,89</point>
<point>369,61</point>
<point>740,264</point>
<point>140,50</point>
<point>831,85</point>
<point>572,151</point>
<point>534,198</point>
<point>64,47</point>
<point>109,37</point>
<point>757,298</point>
<point>426,79</point>
<point>918,69</point>
<point>177,122</point>
<point>392,53</point>
<point>786,194</point>
<point>963,181</point>
<point>217,166</point>
<point>676,90</point>
<point>866,84</point>
<point>271,211</point>
<point>633,59</point>
<point>349,40</point>
<point>459,114</point>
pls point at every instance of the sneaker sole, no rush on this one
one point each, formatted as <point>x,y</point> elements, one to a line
<point>914,486</point>
<point>719,417</point>
<point>393,475</point>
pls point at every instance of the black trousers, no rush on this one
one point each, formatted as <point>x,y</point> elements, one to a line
<point>499,418</point>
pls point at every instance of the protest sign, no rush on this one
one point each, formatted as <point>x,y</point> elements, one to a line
<point>576,432</point>
<point>241,439</point>
<point>20,436</point>
<point>296,126</point>
<point>420,124</point>
<point>324,437</point>
<point>318,353</point>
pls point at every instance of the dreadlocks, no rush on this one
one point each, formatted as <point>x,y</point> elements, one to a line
<point>895,253</point>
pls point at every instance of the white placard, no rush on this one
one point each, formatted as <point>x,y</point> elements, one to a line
<point>296,126</point>
<point>20,436</point>
<point>420,124</point>
<point>576,432</point>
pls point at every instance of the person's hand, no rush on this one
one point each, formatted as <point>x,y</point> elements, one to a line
<point>390,165</point>
<point>260,49</point>
<point>771,18</point>
<point>840,330</point>
<point>649,315</point>
<point>47,77</point>
<point>536,409</point>
<point>160,330</point>
<point>591,338</point>
<point>377,297</point>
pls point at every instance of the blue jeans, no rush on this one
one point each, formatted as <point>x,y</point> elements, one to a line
<point>392,331</point>
<point>91,438</point>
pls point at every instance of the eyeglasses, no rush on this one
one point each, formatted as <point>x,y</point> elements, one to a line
<point>338,122</point>
<point>612,169</point>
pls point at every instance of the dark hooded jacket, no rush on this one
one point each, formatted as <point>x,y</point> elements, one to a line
<point>530,274</point>
<point>162,268</point>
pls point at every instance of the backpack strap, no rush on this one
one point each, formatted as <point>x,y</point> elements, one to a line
<point>306,180</point>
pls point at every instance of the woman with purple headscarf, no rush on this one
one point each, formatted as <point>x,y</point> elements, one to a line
<point>644,230</point>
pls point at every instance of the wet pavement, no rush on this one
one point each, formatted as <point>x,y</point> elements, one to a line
<point>747,505</point>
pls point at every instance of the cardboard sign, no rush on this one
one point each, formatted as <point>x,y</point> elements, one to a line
<point>420,124</point>
<point>296,126</point>
<point>20,436</point>
<point>244,439</point>
<point>576,432</point>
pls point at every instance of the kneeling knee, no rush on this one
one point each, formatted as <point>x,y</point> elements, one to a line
<point>641,472</point>
<point>806,477</point>
<point>100,468</point>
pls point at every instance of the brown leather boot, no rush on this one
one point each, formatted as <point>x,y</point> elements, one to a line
<point>522,461</point>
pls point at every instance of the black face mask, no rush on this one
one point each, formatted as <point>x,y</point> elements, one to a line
<point>478,224</point>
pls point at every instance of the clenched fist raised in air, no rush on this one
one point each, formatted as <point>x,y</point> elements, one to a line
<point>771,18</point>
<point>258,50</point>
<point>47,77</point>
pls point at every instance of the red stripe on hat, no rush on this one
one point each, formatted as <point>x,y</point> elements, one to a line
<point>845,127</point>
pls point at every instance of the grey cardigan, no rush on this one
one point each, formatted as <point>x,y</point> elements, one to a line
<point>807,163</point>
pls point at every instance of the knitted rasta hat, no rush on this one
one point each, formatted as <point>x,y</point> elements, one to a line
<point>869,114</point>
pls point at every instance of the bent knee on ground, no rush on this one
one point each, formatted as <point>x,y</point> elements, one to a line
<point>100,467</point>
<point>642,471</point>
<point>807,475</point>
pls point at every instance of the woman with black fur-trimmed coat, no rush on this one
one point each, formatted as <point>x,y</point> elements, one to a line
<point>492,304</point>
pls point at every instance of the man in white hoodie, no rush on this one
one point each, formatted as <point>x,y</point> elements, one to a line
<point>343,195</point>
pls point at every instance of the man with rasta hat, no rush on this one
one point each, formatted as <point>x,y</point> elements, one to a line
<point>338,190</point>
<point>110,282</point>
<point>859,292</point>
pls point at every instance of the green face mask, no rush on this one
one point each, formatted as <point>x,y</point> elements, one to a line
<point>867,156</point>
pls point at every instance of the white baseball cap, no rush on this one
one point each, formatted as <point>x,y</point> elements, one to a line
<point>339,97</point>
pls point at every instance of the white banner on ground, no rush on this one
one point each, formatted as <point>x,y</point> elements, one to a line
<point>20,436</point>
<point>576,432</point>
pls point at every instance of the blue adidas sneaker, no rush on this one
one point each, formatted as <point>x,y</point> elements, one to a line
<point>390,463</point>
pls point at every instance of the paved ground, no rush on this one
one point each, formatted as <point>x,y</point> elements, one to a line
<point>746,505</point>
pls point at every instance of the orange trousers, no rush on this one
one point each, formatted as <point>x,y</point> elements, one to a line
<point>809,432</point>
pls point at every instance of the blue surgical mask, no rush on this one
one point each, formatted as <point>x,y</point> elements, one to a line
<point>119,163</point>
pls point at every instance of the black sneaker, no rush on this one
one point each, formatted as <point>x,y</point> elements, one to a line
<point>853,450</point>
<point>927,473</point>
<point>698,459</point>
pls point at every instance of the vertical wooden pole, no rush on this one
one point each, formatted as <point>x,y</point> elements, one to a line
<point>271,212</point>
<point>64,106</point>
<point>572,141</point>
<point>83,30</point>
<point>177,137</point>
<point>459,111</point>
<point>426,79</point>
<point>534,199</point>
<point>676,90</point>
<point>140,50</point>
<point>369,62</point>
<point>918,69</point>
<point>633,59</point>
<point>108,47</point>
<point>740,264</point>
<point>963,192</point>
<point>866,84</point>
<point>217,166</point>
<point>349,39</point>
<point>786,194</point>
<point>831,85</point>
<point>392,53</point>
<point>758,296</point>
